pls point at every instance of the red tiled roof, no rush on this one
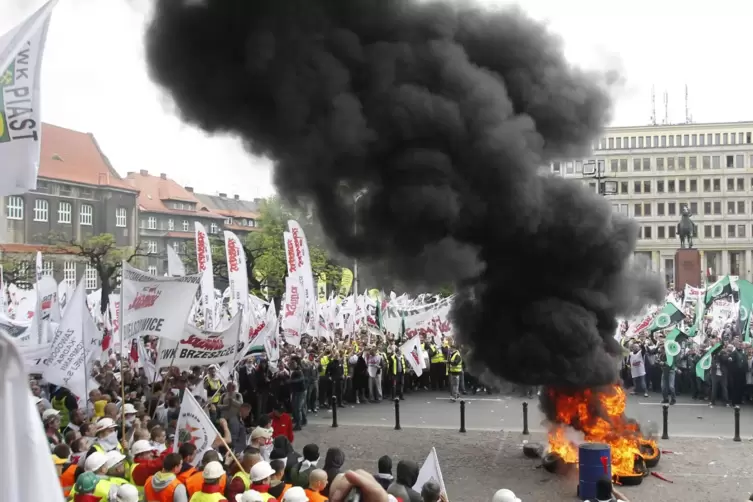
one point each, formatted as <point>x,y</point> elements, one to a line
<point>154,191</point>
<point>69,155</point>
<point>237,214</point>
<point>242,228</point>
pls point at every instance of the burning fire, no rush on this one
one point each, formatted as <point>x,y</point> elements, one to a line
<point>600,415</point>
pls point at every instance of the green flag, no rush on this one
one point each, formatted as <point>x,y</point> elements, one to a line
<point>746,307</point>
<point>672,345</point>
<point>668,316</point>
<point>720,289</point>
<point>705,362</point>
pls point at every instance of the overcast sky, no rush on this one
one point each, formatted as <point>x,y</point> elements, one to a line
<point>94,76</point>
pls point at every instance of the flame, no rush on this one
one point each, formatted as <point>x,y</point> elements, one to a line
<point>600,415</point>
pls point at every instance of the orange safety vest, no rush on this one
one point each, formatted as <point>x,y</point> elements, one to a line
<point>183,476</point>
<point>194,483</point>
<point>68,479</point>
<point>165,495</point>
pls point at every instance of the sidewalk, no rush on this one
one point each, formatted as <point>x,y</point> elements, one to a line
<point>476,464</point>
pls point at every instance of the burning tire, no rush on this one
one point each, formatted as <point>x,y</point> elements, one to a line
<point>651,454</point>
<point>635,478</point>
<point>555,464</point>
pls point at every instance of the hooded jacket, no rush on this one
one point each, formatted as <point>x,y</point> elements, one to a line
<point>333,463</point>
<point>405,477</point>
<point>162,480</point>
<point>284,444</point>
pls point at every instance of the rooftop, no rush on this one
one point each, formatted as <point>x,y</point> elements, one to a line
<point>234,207</point>
<point>156,191</point>
<point>68,155</point>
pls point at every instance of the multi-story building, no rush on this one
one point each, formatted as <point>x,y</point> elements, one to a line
<point>241,216</point>
<point>79,194</point>
<point>167,212</point>
<point>656,170</point>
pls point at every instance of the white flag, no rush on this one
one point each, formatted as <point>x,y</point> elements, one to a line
<point>270,333</point>
<point>77,341</point>
<point>145,361</point>
<point>430,471</point>
<point>236,273</point>
<point>201,347</point>
<point>28,473</point>
<point>175,266</point>
<point>411,350</point>
<point>21,52</point>
<point>293,316</point>
<point>303,259</point>
<point>155,306</point>
<point>65,291</point>
<point>47,296</point>
<point>39,267</point>
<point>204,266</point>
<point>194,427</point>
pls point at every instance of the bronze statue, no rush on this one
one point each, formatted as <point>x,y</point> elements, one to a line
<point>686,229</point>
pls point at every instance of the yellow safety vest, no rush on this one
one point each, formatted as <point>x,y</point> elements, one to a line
<point>266,496</point>
<point>456,363</point>
<point>102,490</point>
<point>214,386</point>
<point>244,477</point>
<point>130,480</point>
<point>207,497</point>
<point>394,363</point>
<point>345,365</point>
<point>117,481</point>
<point>438,355</point>
<point>324,361</point>
<point>65,414</point>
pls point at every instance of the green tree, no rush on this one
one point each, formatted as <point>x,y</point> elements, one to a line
<point>19,270</point>
<point>219,260</point>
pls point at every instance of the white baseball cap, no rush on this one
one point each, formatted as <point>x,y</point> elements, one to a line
<point>95,461</point>
<point>48,414</point>
<point>106,423</point>
<point>295,494</point>
<point>249,496</point>
<point>127,493</point>
<point>141,446</point>
<point>129,409</point>
<point>261,470</point>
<point>505,495</point>
<point>213,470</point>
<point>114,457</point>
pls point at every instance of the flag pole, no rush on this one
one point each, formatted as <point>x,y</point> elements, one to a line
<point>123,324</point>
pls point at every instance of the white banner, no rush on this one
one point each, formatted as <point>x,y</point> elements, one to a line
<point>35,357</point>
<point>204,268</point>
<point>431,320</point>
<point>24,332</point>
<point>194,427</point>
<point>303,263</point>
<point>200,348</point>
<point>271,338</point>
<point>47,295</point>
<point>293,317</point>
<point>236,273</point>
<point>65,292</point>
<point>146,362</point>
<point>76,342</point>
<point>430,471</point>
<point>113,306</point>
<point>21,51</point>
<point>155,306</point>
<point>175,266</point>
<point>411,350</point>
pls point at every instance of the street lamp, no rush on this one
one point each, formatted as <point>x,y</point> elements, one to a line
<point>595,169</point>
<point>356,197</point>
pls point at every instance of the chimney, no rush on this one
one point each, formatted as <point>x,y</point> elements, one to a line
<point>144,172</point>
<point>237,197</point>
<point>163,176</point>
<point>223,195</point>
<point>130,173</point>
<point>189,189</point>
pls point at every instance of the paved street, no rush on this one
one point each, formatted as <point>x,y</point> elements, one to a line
<point>496,412</point>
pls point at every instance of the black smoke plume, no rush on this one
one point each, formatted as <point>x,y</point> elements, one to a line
<point>444,115</point>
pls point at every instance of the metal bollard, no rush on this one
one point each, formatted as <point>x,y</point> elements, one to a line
<point>334,411</point>
<point>462,416</point>
<point>737,425</point>
<point>397,414</point>
<point>525,419</point>
<point>665,421</point>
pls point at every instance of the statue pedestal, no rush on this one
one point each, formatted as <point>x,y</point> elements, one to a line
<point>687,268</point>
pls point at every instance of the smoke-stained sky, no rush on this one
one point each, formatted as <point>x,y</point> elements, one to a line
<point>443,115</point>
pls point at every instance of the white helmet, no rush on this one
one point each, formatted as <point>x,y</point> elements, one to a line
<point>505,495</point>
<point>95,461</point>
<point>114,457</point>
<point>141,446</point>
<point>127,493</point>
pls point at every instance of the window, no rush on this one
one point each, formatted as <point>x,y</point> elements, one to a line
<point>730,184</point>
<point>632,142</point>
<point>707,208</point>
<point>646,164</point>
<point>619,143</point>
<point>693,185</point>
<point>681,186</point>
<point>694,208</point>
<point>613,165</point>
<point>151,223</point>
<point>213,228</point>
<point>185,225</point>
<point>740,207</point>
<point>717,207</point>
<point>706,185</point>
<point>637,185</point>
<point>647,209</point>
<point>659,186</point>
<point>646,187</point>
<point>659,209</point>
<point>741,231</point>
<point>672,231</point>
<point>660,232</point>
<point>69,273</point>
<point>724,138</point>
<point>623,187</point>
<point>555,167</point>
<point>671,209</point>
<point>85,217</point>
<point>41,210</point>
<point>717,139</point>
<point>660,164</point>
<point>636,164</point>
<point>740,184</point>
<point>647,232</point>
<point>152,270</point>
<point>64,212</point>
<point>693,163</point>
<point>47,268</point>
<point>730,161</point>
<point>701,139</point>
<point>717,231</point>
<point>120,217</point>
<point>694,139</point>
<point>611,143</point>
<point>686,140</point>
<point>717,185</point>
<point>151,247</point>
<point>638,210</point>
<point>716,162</point>
<point>707,231</point>
<point>15,208</point>
<point>578,170</point>
<point>670,163</point>
<point>170,224</point>
<point>671,186</point>
<point>90,278</point>
<point>640,141</point>
<point>707,162</point>
<point>731,230</point>
<point>656,141</point>
<point>739,161</point>
<point>672,141</point>
<point>569,167</point>
<point>623,165</point>
<point>681,163</point>
<point>730,207</point>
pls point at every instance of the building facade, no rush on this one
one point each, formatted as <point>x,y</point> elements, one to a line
<point>658,170</point>
<point>78,195</point>
<point>241,216</point>
<point>167,213</point>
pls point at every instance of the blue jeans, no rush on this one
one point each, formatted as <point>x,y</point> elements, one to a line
<point>299,408</point>
<point>668,383</point>
<point>639,384</point>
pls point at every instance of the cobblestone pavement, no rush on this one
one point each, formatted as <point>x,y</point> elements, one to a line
<point>476,464</point>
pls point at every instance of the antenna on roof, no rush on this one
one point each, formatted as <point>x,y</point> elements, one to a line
<point>653,106</point>
<point>688,116</point>
<point>666,108</point>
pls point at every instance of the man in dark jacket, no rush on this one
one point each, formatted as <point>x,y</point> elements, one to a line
<point>406,477</point>
<point>334,373</point>
<point>384,471</point>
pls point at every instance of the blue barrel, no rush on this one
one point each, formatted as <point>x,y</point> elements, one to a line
<point>592,459</point>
